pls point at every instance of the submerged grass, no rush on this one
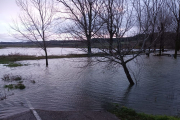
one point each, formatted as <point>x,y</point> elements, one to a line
<point>15,86</point>
<point>10,78</point>
<point>125,113</point>
<point>10,59</point>
<point>13,64</point>
<point>13,78</point>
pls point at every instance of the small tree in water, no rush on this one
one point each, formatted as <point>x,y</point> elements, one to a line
<point>125,17</point>
<point>84,16</point>
<point>109,20</point>
<point>35,22</point>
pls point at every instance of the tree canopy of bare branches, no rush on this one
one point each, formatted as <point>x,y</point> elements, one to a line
<point>84,15</point>
<point>174,7</point>
<point>35,22</point>
<point>111,21</point>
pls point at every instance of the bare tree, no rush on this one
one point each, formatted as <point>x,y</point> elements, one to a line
<point>126,49</point>
<point>119,20</point>
<point>174,7</point>
<point>163,24</point>
<point>108,16</point>
<point>84,15</point>
<point>155,6</point>
<point>113,15</point>
<point>35,22</point>
<point>148,20</point>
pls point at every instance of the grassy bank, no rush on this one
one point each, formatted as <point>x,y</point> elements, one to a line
<point>128,114</point>
<point>10,59</point>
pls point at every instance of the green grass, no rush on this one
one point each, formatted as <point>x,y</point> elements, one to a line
<point>10,86</point>
<point>15,86</point>
<point>6,59</point>
<point>10,59</point>
<point>16,79</point>
<point>125,113</point>
<point>13,64</point>
<point>20,86</point>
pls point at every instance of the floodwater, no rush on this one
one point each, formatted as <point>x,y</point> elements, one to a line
<point>39,51</point>
<point>68,85</point>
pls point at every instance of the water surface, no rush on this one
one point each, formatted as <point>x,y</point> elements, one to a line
<point>68,85</point>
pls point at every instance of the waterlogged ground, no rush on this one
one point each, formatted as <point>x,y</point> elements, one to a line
<point>39,51</point>
<point>68,85</point>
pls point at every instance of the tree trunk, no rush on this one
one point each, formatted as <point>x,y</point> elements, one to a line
<point>111,43</point>
<point>151,40</point>
<point>177,36</point>
<point>176,42</point>
<point>89,45</point>
<point>89,29</point>
<point>154,47</point>
<point>128,74</point>
<point>176,48</point>
<point>161,39</point>
<point>46,56</point>
<point>163,46</point>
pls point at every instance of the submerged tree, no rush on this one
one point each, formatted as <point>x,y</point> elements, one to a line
<point>108,15</point>
<point>128,17</point>
<point>35,22</point>
<point>164,25</point>
<point>119,19</point>
<point>152,9</point>
<point>174,7</point>
<point>111,20</point>
<point>84,15</point>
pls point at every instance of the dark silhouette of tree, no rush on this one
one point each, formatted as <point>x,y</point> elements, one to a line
<point>163,24</point>
<point>131,14</point>
<point>111,21</point>
<point>118,19</point>
<point>35,22</point>
<point>84,15</point>
<point>174,7</point>
<point>108,15</point>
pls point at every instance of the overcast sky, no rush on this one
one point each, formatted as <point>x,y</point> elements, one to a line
<point>8,11</point>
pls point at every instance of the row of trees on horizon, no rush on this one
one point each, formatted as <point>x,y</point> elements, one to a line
<point>42,20</point>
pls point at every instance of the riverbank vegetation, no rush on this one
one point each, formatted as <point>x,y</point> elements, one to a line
<point>13,82</point>
<point>125,113</point>
<point>12,58</point>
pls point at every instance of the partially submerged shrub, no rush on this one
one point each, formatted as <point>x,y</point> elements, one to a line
<point>10,78</point>
<point>10,86</point>
<point>15,86</point>
<point>33,81</point>
<point>20,86</point>
<point>6,77</point>
<point>16,78</point>
<point>13,78</point>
